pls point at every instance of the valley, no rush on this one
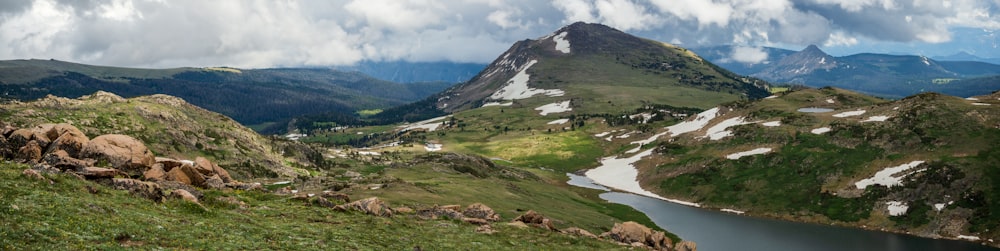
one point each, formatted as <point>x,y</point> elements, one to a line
<point>548,147</point>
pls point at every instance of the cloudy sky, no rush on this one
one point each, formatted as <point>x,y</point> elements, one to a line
<point>276,33</point>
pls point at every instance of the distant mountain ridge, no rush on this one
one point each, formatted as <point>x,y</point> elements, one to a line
<point>251,96</point>
<point>891,76</point>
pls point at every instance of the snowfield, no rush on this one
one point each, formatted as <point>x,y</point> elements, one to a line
<point>831,101</point>
<point>721,130</point>
<point>969,237</point>
<point>982,104</point>
<point>562,44</point>
<point>497,104</point>
<point>887,177</point>
<point>772,96</point>
<point>820,130</point>
<point>757,151</point>
<point>621,174</point>
<point>430,125</point>
<point>940,206</point>
<point>876,119</point>
<point>849,114</point>
<point>558,122</point>
<point>554,108</point>
<point>732,211</point>
<point>517,87</point>
<point>897,208</point>
<point>771,123</point>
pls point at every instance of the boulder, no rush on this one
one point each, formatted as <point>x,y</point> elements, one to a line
<point>631,232</point>
<point>578,232</point>
<point>174,185</point>
<point>6,130</point>
<point>535,219</point>
<point>403,210</point>
<point>33,174</point>
<point>184,195</point>
<point>204,166</point>
<point>139,188</point>
<point>475,221</point>
<point>686,246</point>
<point>122,152</point>
<point>70,141</point>
<point>20,137</point>
<point>480,211</point>
<point>5,150</point>
<point>215,182</point>
<point>63,161</point>
<point>30,152</point>
<point>335,196</point>
<point>186,175</point>
<point>323,202</point>
<point>168,163</point>
<point>155,173</point>
<point>485,229</point>
<point>224,174</point>
<point>372,206</point>
<point>452,207</point>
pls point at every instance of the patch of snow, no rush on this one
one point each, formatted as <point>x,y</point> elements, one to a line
<point>897,208</point>
<point>517,87</point>
<point>771,123</point>
<point>895,108</point>
<point>431,147</point>
<point>969,237</point>
<point>601,135</point>
<point>561,43</point>
<point>621,174</point>
<point>830,100</point>
<point>849,114</point>
<point>187,162</point>
<point>369,153</point>
<point>940,206</point>
<point>645,117</point>
<point>972,99</point>
<point>772,96</point>
<point>497,104</point>
<point>982,104</point>
<point>554,108</point>
<point>281,183</point>
<point>698,123</point>
<point>885,177</point>
<point>295,136</point>
<point>876,119</point>
<point>559,122</point>
<point>430,125</point>
<point>757,151</point>
<point>720,130</point>
<point>625,136</point>
<point>925,60</point>
<point>820,130</point>
<point>732,211</point>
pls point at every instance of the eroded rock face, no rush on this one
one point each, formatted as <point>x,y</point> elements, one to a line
<point>187,175</point>
<point>123,153</point>
<point>372,206</point>
<point>632,233</point>
<point>62,160</point>
<point>71,141</point>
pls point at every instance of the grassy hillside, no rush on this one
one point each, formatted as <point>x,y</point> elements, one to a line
<point>111,219</point>
<point>812,176</point>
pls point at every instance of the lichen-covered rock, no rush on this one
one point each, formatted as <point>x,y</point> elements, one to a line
<point>372,206</point>
<point>480,211</point>
<point>122,152</point>
<point>71,141</point>
<point>155,173</point>
<point>186,175</point>
<point>63,161</point>
<point>184,195</point>
<point>30,152</point>
<point>578,232</point>
<point>139,188</point>
<point>440,211</point>
<point>99,172</point>
<point>535,219</point>
<point>686,246</point>
<point>632,233</point>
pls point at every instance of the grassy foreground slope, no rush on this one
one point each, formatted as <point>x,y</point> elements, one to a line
<point>71,214</point>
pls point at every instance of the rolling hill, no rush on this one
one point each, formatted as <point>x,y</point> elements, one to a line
<point>252,97</point>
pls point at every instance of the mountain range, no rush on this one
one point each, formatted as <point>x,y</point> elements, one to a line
<point>891,76</point>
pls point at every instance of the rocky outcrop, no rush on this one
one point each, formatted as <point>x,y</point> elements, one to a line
<point>373,206</point>
<point>635,234</point>
<point>184,195</point>
<point>121,152</point>
<point>686,246</point>
<point>578,232</point>
<point>139,188</point>
<point>435,212</point>
<point>480,211</point>
<point>533,218</point>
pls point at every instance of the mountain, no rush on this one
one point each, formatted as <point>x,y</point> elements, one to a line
<point>723,55</point>
<point>964,56</point>
<point>250,96</point>
<point>598,69</point>
<point>883,75</point>
<point>170,127</point>
<point>413,72</point>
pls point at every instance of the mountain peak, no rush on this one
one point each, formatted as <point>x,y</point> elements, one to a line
<point>813,49</point>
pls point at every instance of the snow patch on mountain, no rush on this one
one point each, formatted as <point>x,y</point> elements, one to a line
<point>820,130</point>
<point>889,176</point>
<point>430,125</point>
<point>562,44</point>
<point>721,130</point>
<point>742,154</point>
<point>498,104</point>
<point>879,118</point>
<point>849,114</point>
<point>775,123</point>
<point>897,208</point>
<point>558,122</point>
<point>554,108</point>
<point>517,87</point>
<point>621,174</point>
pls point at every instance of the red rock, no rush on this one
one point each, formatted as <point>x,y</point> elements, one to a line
<point>123,153</point>
<point>155,173</point>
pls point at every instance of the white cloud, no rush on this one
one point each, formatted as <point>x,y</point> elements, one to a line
<point>749,55</point>
<point>706,12</point>
<point>576,10</point>
<point>624,15</point>
<point>397,14</point>
<point>840,39</point>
